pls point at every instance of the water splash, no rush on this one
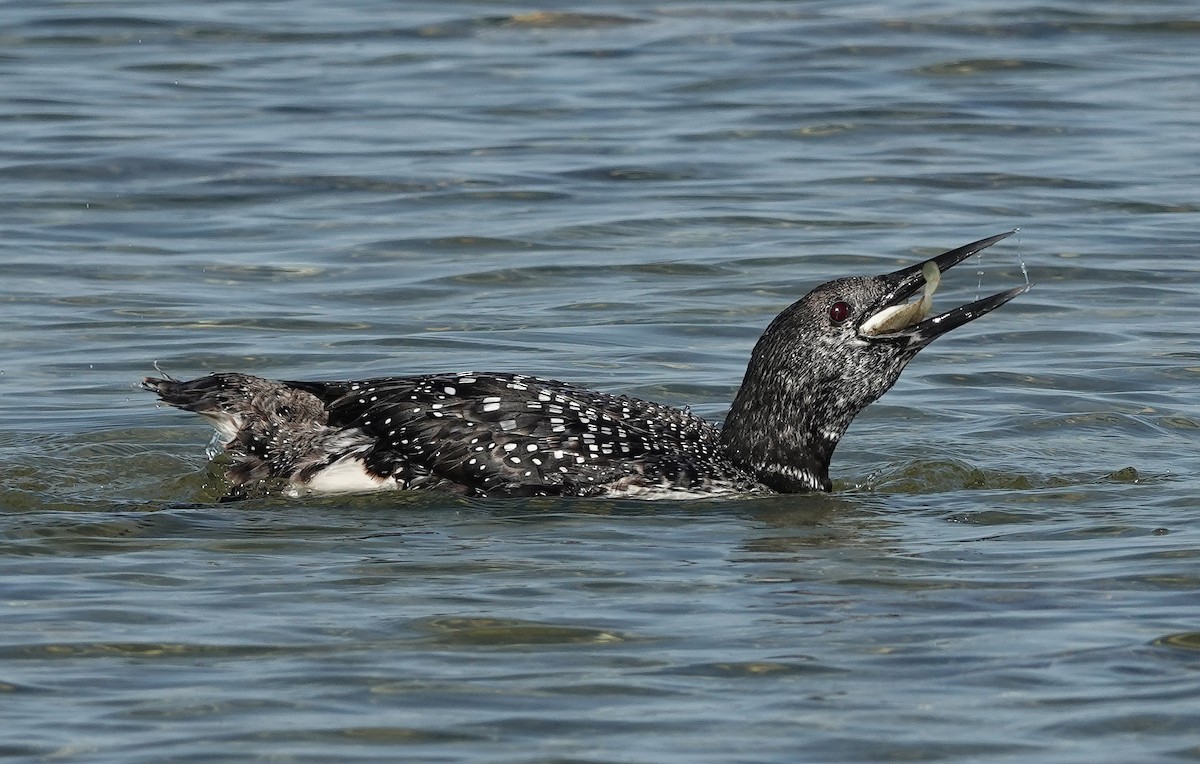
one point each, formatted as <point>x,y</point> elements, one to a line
<point>215,447</point>
<point>1020,261</point>
<point>1020,258</point>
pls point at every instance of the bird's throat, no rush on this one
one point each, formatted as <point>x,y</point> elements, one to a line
<point>784,436</point>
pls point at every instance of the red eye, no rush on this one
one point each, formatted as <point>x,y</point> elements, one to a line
<point>839,312</point>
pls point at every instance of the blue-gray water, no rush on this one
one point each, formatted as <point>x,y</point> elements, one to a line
<point>619,194</point>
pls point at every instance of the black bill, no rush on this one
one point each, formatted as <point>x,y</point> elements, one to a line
<point>894,319</point>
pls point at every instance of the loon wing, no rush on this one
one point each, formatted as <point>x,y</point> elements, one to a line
<point>514,434</point>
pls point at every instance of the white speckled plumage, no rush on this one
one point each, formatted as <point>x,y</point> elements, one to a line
<point>486,433</point>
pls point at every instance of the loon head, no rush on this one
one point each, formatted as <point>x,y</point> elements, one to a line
<point>828,356</point>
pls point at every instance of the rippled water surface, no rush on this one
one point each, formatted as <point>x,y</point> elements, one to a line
<point>623,195</point>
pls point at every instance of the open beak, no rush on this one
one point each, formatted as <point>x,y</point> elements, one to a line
<point>893,318</point>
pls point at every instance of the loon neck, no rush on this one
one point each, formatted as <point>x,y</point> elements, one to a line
<point>784,430</point>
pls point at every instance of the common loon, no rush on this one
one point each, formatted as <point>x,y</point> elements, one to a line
<point>820,362</point>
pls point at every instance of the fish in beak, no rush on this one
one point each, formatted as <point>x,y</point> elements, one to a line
<point>894,319</point>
